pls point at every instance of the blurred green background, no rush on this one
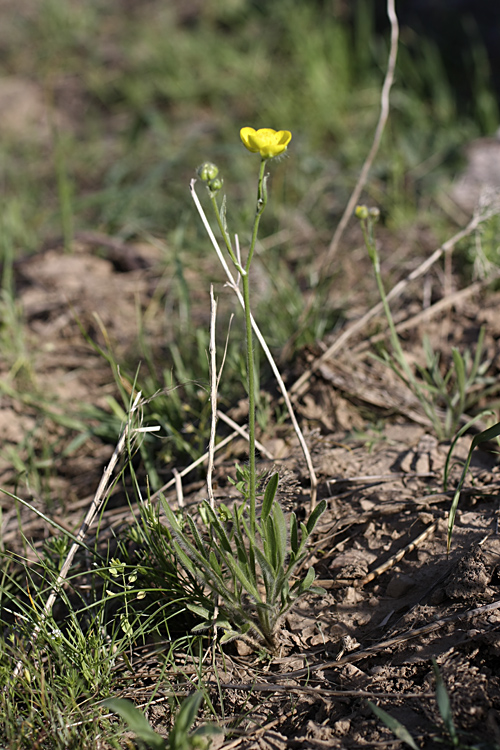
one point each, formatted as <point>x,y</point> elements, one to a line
<point>107,107</point>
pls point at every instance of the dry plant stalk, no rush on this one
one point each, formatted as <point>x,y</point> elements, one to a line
<point>244,434</point>
<point>214,383</point>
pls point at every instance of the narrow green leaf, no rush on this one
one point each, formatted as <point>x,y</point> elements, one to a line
<point>185,720</point>
<point>306,582</point>
<point>281,536</point>
<point>443,702</point>
<point>490,434</point>
<point>315,516</point>
<point>459,363</point>
<point>200,611</point>
<point>398,729</point>
<point>269,495</point>
<point>136,721</point>
<point>243,578</point>
<point>459,434</point>
<point>230,635</point>
<point>270,542</point>
<point>294,540</point>
<point>304,536</point>
<point>184,558</point>
<point>214,563</point>
<point>171,517</point>
<point>197,538</point>
<point>201,627</point>
<point>217,527</point>
<point>267,572</point>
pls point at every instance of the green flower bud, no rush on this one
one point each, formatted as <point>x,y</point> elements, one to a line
<point>361,212</point>
<point>374,213</point>
<point>215,185</point>
<point>207,171</point>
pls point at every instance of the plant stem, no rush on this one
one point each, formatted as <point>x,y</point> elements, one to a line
<point>225,235</point>
<point>261,204</point>
<point>397,348</point>
<point>251,402</point>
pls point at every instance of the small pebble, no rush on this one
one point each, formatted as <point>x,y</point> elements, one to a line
<point>341,727</point>
<point>399,585</point>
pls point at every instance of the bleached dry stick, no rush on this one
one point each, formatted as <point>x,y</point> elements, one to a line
<point>95,506</point>
<point>193,465</point>
<point>384,114</point>
<point>358,584</point>
<point>178,488</point>
<point>234,286</point>
<point>244,434</point>
<point>213,398</point>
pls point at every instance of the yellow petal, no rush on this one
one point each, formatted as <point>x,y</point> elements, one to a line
<point>246,134</point>
<point>266,141</point>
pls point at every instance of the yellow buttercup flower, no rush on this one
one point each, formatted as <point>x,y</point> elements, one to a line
<point>266,141</point>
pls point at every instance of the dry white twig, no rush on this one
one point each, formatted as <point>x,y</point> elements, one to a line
<point>193,465</point>
<point>384,114</point>
<point>244,434</point>
<point>178,488</point>
<point>214,381</point>
<point>233,285</point>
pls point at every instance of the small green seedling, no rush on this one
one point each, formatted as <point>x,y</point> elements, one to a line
<point>180,737</point>
<point>444,706</point>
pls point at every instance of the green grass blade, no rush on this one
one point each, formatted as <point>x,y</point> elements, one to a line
<point>444,705</point>
<point>398,729</point>
<point>459,434</point>
<point>490,434</point>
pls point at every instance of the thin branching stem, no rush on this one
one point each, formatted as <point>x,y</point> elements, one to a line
<point>234,285</point>
<point>379,131</point>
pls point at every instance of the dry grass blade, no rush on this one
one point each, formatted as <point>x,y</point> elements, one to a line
<point>396,558</point>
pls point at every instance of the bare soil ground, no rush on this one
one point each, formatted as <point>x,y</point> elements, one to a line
<point>394,599</point>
